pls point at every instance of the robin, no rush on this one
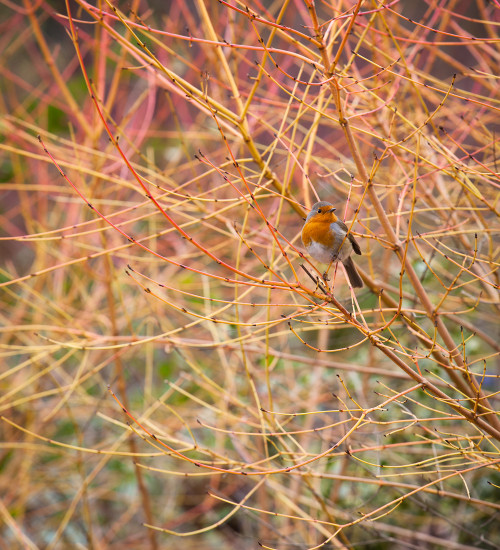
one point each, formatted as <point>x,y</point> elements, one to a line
<point>327,239</point>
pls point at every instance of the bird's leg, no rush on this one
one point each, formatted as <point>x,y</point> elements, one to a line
<point>315,280</point>
<point>326,277</point>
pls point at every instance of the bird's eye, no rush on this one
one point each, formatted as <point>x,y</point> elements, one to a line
<point>319,210</point>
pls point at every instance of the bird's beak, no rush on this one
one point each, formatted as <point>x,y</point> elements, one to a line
<point>332,210</point>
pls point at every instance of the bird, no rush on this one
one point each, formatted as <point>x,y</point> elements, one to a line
<point>327,239</point>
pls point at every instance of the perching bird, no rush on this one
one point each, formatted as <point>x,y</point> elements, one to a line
<point>327,240</point>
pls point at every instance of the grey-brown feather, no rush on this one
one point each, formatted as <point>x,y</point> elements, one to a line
<point>355,245</point>
<point>352,273</point>
<point>350,236</point>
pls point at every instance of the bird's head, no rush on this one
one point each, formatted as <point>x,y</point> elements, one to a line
<point>322,211</point>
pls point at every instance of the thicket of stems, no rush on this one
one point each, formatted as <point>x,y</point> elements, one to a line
<point>174,364</point>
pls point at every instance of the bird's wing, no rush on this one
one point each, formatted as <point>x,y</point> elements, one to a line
<point>355,245</point>
<point>350,236</point>
<point>342,225</point>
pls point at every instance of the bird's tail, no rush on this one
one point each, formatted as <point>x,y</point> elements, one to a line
<point>352,273</point>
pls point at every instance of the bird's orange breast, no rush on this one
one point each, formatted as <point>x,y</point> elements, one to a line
<point>318,232</point>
